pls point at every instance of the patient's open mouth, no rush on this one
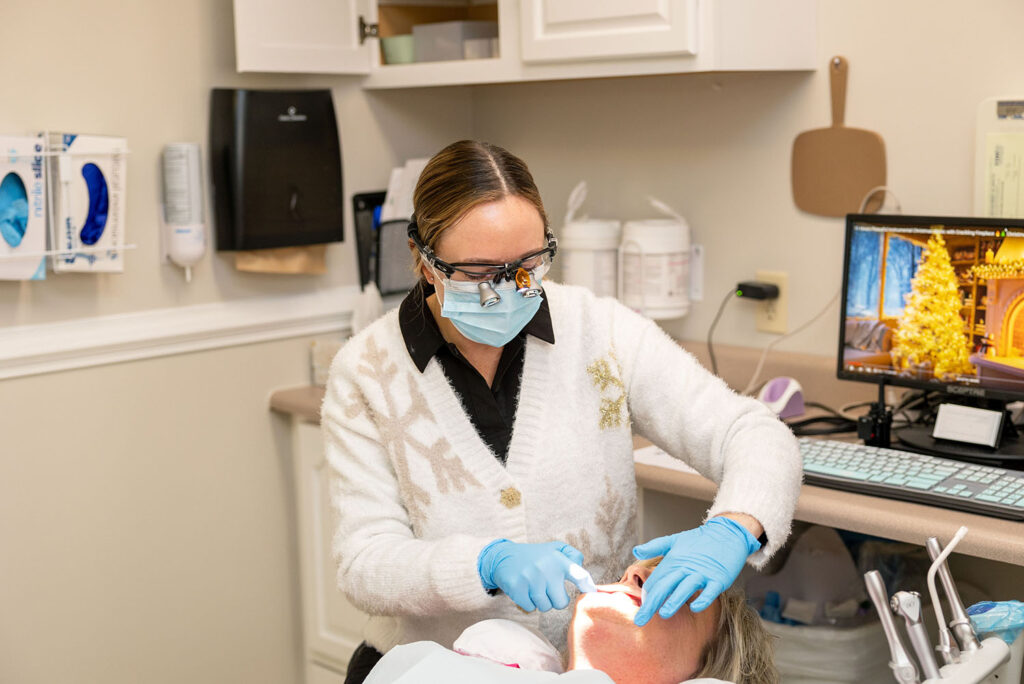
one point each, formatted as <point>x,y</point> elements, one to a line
<point>618,589</point>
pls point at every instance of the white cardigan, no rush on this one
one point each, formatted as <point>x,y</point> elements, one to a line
<point>418,493</point>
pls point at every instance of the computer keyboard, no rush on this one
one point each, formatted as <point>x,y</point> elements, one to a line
<point>896,474</point>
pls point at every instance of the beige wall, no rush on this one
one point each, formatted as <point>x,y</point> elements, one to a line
<point>146,522</point>
<point>146,513</point>
<point>144,70</point>
<point>717,146</point>
<point>146,529</point>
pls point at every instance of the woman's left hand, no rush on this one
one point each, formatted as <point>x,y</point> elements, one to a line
<point>706,559</point>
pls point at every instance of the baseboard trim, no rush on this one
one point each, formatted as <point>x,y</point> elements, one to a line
<point>81,343</point>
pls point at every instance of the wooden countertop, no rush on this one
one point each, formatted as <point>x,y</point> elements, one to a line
<point>991,538</point>
<point>302,403</point>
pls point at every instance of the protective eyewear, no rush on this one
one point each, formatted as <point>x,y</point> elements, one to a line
<point>524,272</point>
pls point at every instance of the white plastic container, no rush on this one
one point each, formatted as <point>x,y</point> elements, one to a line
<point>826,655</point>
<point>442,41</point>
<point>655,267</point>
<point>589,252</point>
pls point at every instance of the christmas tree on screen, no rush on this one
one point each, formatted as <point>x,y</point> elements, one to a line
<point>930,335</point>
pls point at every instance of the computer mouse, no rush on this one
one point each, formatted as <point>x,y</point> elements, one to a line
<point>784,396</point>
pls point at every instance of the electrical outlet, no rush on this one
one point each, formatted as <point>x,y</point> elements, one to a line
<point>772,314</point>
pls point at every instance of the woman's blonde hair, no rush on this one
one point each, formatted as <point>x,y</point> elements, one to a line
<point>741,650</point>
<point>463,175</point>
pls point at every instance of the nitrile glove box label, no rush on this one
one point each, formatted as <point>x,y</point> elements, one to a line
<point>22,209</point>
<point>87,188</point>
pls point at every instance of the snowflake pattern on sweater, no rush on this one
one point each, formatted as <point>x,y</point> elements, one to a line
<point>418,493</point>
<point>398,438</point>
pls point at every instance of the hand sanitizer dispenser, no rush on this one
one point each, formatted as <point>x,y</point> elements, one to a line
<point>276,168</point>
<point>184,234</point>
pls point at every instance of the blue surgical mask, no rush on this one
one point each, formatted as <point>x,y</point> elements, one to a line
<point>494,325</point>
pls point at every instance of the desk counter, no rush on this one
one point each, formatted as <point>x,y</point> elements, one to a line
<point>990,538</point>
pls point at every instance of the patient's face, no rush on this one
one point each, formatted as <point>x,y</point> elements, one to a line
<point>602,634</point>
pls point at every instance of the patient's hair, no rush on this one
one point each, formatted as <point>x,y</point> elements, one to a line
<point>741,649</point>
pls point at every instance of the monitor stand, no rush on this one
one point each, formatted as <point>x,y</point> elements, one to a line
<point>1009,453</point>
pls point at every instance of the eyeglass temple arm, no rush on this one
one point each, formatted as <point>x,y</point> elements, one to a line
<point>426,252</point>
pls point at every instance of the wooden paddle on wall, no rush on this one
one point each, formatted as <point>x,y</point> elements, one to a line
<point>834,168</point>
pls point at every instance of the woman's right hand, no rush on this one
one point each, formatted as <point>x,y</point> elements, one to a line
<point>532,575</point>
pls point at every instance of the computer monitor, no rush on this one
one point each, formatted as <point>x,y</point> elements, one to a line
<point>935,303</point>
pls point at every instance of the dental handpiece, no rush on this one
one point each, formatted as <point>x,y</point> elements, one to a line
<point>582,579</point>
<point>902,666</point>
<point>907,604</point>
<point>959,621</point>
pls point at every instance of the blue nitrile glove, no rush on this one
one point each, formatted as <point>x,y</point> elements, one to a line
<point>706,559</point>
<point>532,575</point>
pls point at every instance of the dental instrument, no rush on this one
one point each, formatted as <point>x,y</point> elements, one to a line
<point>960,623</point>
<point>582,579</point>
<point>907,604</point>
<point>975,665</point>
<point>902,666</point>
<point>947,645</point>
<point>532,575</point>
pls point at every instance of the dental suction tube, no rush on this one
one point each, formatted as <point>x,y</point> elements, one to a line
<point>959,621</point>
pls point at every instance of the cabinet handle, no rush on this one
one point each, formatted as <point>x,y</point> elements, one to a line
<point>367,30</point>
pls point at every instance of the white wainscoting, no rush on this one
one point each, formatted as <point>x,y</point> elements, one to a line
<point>80,343</point>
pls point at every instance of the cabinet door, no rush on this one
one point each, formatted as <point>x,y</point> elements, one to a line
<point>303,36</point>
<point>331,625</point>
<point>554,30</point>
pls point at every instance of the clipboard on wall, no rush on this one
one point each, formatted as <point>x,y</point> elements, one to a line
<point>999,158</point>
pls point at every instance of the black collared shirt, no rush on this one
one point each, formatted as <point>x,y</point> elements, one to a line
<point>492,410</point>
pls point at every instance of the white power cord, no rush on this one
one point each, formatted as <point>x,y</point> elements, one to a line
<point>764,354</point>
<point>886,191</point>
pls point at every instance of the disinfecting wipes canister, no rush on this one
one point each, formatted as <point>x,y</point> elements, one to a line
<point>589,252</point>
<point>655,275</point>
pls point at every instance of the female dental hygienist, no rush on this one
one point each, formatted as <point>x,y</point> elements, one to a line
<point>480,436</point>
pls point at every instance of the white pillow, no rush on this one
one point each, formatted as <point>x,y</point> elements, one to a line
<point>508,643</point>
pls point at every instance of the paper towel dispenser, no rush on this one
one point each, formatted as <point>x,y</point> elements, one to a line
<point>276,168</point>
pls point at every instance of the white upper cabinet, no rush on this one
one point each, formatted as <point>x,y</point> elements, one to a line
<point>304,36</point>
<point>537,39</point>
<point>556,30</point>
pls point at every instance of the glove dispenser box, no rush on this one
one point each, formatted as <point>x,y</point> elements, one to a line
<point>276,168</point>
